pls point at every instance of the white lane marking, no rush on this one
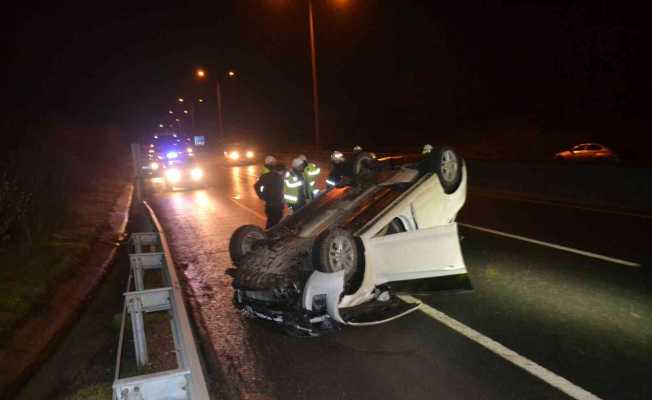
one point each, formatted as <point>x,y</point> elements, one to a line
<point>251,210</point>
<point>516,197</point>
<point>528,365</point>
<point>554,246</point>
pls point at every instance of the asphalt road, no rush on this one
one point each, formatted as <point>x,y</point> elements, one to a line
<point>584,319</point>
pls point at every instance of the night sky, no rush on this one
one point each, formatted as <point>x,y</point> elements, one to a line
<point>414,67</point>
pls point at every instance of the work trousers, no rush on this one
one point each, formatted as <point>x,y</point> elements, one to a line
<point>274,213</point>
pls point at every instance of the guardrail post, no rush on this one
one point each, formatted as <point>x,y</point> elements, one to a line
<point>138,327</point>
<point>144,261</point>
<point>138,276</point>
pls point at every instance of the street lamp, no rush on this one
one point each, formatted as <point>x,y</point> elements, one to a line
<point>201,74</point>
<point>313,61</point>
<point>180,99</point>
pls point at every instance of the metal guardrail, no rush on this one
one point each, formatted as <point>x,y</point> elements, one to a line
<point>187,381</point>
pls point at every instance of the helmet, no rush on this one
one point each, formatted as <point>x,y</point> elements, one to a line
<point>297,163</point>
<point>337,157</point>
<point>357,148</point>
<point>270,160</point>
<point>303,157</point>
<point>427,148</point>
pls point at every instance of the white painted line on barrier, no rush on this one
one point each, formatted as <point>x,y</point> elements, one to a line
<point>251,210</point>
<point>554,246</point>
<point>528,365</point>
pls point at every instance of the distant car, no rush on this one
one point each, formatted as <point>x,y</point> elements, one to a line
<point>239,153</point>
<point>588,152</point>
<point>341,258</point>
<point>179,169</point>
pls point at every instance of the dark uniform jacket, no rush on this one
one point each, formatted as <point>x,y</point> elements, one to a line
<point>340,173</point>
<point>269,187</point>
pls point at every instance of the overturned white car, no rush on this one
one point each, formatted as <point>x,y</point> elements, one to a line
<point>341,259</point>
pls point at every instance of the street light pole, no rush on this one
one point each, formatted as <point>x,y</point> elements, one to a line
<point>220,122</point>
<point>313,57</point>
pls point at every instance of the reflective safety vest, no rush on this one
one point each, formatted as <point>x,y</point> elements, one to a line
<point>310,174</point>
<point>293,188</point>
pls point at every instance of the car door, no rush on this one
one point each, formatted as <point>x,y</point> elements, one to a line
<point>419,261</point>
<point>593,151</point>
<point>579,152</point>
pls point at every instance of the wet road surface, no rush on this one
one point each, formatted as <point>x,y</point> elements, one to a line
<point>587,320</point>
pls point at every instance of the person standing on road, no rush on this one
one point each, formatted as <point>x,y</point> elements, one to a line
<point>310,173</point>
<point>294,191</point>
<point>339,171</point>
<point>269,188</point>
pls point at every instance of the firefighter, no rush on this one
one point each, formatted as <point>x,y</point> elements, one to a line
<point>268,165</point>
<point>310,173</point>
<point>294,191</point>
<point>269,188</point>
<point>339,171</point>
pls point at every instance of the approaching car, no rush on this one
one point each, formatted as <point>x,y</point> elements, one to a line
<point>180,170</point>
<point>238,154</point>
<point>588,152</point>
<point>341,258</point>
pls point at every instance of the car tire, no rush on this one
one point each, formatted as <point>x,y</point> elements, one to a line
<point>243,241</point>
<point>396,226</point>
<point>448,165</point>
<point>336,250</point>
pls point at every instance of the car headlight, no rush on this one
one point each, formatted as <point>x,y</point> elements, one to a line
<point>234,155</point>
<point>173,175</point>
<point>153,166</point>
<point>196,173</point>
<point>250,154</point>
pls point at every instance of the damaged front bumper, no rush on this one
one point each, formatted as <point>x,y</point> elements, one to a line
<point>312,311</point>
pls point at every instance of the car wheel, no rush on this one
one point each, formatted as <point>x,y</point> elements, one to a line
<point>243,241</point>
<point>447,164</point>
<point>396,226</point>
<point>336,250</point>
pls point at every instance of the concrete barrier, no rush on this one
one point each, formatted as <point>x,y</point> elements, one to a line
<point>610,186</point>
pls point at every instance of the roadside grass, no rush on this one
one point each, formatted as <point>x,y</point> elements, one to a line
<point>94,392</point>
<point>29,271</point>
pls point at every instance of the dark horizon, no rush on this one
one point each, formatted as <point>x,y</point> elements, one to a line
<point>412,67</point>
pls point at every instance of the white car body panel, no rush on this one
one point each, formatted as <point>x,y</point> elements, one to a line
<point>424,253</point>
<point>430,248</point>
